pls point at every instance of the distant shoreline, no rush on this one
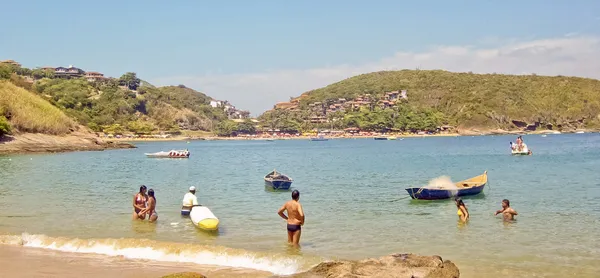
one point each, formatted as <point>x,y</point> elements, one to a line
<point>398,136</point>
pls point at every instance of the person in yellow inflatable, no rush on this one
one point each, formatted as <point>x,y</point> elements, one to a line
<point>463,212</point>
<point>189,200</point>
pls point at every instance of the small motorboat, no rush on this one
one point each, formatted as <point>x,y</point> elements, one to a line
<point>171,154</point>
<point>472,186</point>
<point>384,138</point>
<point>278,181</point>
<point>203,218</point>
<point>319,138</point>
<point>514,150</point>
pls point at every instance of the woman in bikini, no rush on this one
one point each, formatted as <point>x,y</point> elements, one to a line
<point>151,209</point>
<point>463,212</point>
<point>139,204</point>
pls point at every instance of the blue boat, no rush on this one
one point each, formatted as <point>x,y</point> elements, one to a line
<point>469,187</point>
<point>278,181</point>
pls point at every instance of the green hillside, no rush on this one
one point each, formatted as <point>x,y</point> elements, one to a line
<point>116,106</point>
<point>465,100</point>
<point>22,110</point>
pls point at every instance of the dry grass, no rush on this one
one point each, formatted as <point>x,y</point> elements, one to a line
<point>28,112</point>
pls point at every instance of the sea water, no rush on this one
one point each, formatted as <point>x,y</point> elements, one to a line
<point>353,196</point>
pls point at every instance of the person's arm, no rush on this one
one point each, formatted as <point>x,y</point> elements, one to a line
<point>301,213</point>
<point>280,212</point>
<point>465,212</point>
<point>499,211</point>
<point>513,212</point>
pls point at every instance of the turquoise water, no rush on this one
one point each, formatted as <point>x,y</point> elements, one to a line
<point>353,195</point>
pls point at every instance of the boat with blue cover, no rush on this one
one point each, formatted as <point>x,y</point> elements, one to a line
<point>278,181</point>
<point>469,187</point>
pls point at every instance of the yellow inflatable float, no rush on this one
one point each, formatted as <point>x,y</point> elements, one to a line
<point>204,219</point>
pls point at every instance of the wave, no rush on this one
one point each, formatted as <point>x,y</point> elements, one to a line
<point>161,251</point>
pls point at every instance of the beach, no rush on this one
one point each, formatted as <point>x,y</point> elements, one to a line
<point>353,192</point>
<point>25,262</point>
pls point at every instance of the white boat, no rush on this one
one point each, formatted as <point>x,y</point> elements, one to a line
<point>204,219</point>
<point>171,154</point>
<point>580,132</point>
<point>516,151</point>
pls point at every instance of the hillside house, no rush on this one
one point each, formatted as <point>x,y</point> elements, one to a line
<point>93,76</point>
<point>11,62</point>
<point>70,72</point>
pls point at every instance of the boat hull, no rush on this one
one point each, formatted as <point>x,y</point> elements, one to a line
<point>170,154</point>
<point>469,187</point>
<point>278,185</point>
<point>440,194</point>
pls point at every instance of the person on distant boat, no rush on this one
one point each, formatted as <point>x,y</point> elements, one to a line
<point>463,212</point>
<point>150,210</point>
<point>139,203</point>
<point>520,143</point>
<point>295,218</point>
<point>507,212</point>
<point>189,200</point>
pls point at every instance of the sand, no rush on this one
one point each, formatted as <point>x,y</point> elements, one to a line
<point>18,261</point>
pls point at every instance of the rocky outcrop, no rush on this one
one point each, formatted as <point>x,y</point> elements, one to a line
<point>43,143</point>
<point>391,266</point>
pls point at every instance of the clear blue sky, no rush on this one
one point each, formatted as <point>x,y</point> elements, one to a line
<point>158,39</point>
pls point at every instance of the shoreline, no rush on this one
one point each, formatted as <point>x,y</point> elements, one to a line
<point>303,137</point>
<point>23,143</point>
<point>27,143</point>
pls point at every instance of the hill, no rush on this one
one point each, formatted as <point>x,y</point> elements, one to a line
<point>38,126</point>
<point>426,99</point>
<point>120,105</point>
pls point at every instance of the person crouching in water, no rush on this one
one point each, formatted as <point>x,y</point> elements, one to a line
<point>189,200</point>
<point>463,212</point>
<point>139,203</point>
<point>295,218</point>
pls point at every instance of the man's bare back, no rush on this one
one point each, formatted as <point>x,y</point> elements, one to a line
<point>294,218</point>
<point>295,215</point>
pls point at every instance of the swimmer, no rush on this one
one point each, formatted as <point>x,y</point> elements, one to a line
<point>463,212</point>
<point>507,212</point>
<point>295,218</point>
<point>139,203</point>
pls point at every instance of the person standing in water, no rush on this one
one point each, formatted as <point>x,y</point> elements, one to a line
<point>139,204</point>
<point>463,212</point>
<point>295,218</point>
<point>151,208</point>
<point>189,200</point>
<point>507,212</point>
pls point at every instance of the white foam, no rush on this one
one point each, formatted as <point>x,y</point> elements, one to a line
<point>278,266</point>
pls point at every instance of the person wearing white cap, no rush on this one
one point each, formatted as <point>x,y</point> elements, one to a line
<point>189,200</point>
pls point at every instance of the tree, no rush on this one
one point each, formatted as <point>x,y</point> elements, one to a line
<point>38,73</point>
<point>130,80</point>
<point>246,127</point>
<point>226,128</point>
<point>141,127</point>
<point>4,126</point>
<point>116,129</point>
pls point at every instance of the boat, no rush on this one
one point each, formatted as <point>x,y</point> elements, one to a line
<point>524,151</point>
<point>171,154</point>
<point>203,218</point>
<point>319,138</point>
<point>384,138</point>
<point>469,187</point>
<point>278,181</point>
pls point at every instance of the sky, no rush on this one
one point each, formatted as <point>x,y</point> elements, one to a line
<point>258,53</point>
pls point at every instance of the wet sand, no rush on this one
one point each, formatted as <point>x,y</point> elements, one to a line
<point>18,261</point>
